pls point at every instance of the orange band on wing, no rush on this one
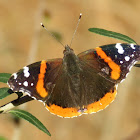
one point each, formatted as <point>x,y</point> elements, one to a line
<point>63,112</point>
<point>103,103</point>
<point>40,84</point>
<point>91,108</point>
<point>115,73</point>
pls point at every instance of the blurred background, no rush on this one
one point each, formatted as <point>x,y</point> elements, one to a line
<point>24,41</point>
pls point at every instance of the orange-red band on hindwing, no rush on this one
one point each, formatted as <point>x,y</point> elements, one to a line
<point>102,103</point>
<point>63,112</point>
<point>91,108</point>
<point>40,83</point>
<point>115,73</point>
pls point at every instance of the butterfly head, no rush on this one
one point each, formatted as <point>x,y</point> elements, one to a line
<point>68,50</point>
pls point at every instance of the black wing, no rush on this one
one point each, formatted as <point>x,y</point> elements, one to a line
<point>36,79</point>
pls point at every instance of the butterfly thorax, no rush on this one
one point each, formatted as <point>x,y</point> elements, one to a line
<point>70,62</point>
<point>71,71</point>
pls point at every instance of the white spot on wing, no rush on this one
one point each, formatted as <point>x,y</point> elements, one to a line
<point>121,62</point>
<point>15,75</point>
<point>132,46</point>
<point>26,72</point>
<point>120,48</point>
<point>32,84</point>
<point>132,55</point>
<point>19,83</point>
<point>25,84</point>
<point>127,58</point>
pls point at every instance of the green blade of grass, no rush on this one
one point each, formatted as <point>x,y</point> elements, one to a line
<point>112,35</point>
<point>4,92</point>
<point>4,77</point>
<point>30,118</point>
<point>2,138</point>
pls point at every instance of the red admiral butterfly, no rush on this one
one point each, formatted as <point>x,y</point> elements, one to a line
<point>77,84</point>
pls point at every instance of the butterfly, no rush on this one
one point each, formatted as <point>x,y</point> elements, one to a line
<point>77,84</point>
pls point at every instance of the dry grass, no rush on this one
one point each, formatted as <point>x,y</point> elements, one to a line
<point>23,41</point>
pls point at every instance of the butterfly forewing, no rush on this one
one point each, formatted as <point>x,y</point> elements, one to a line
<point>36,79</point>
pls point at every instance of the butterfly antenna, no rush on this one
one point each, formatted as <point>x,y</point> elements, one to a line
<point>76,28</point>
<point>51,34</point>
